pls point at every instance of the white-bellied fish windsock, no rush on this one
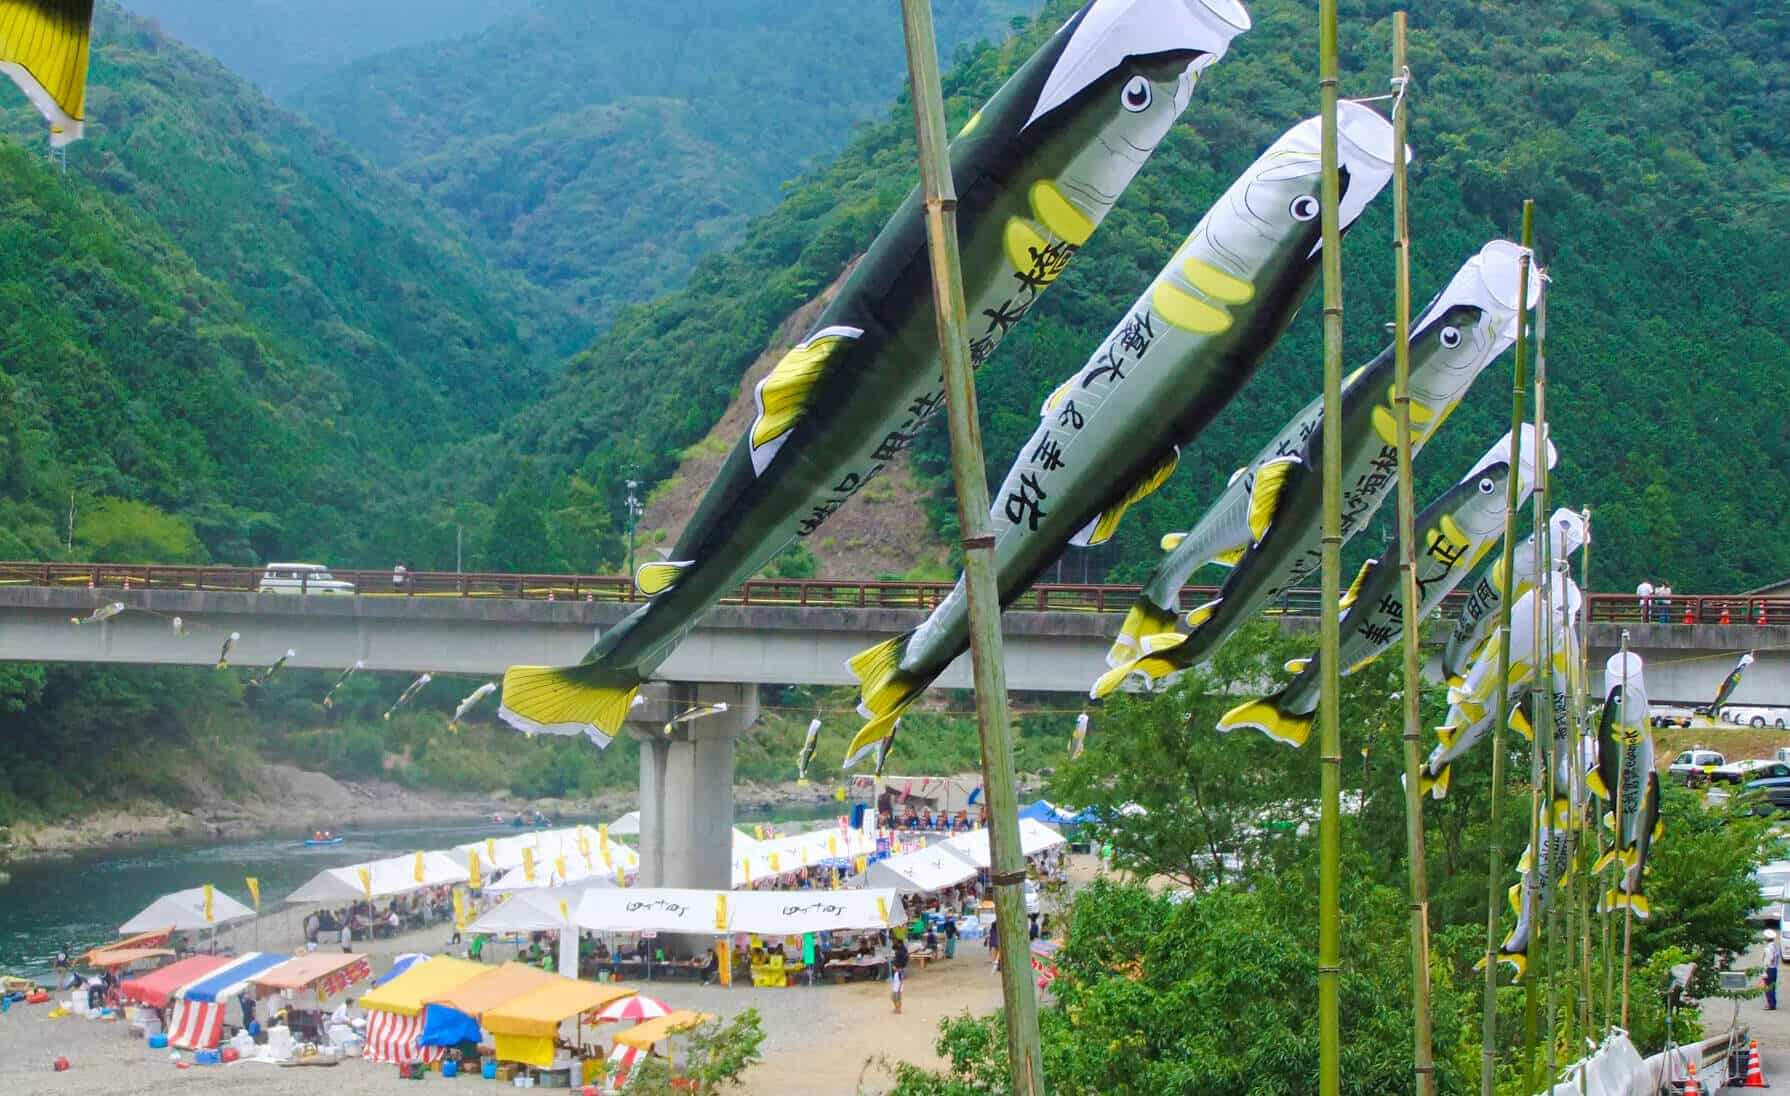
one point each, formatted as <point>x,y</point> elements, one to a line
<point>806,753</point>
<point>1451,344</point>
<point>1480,613</point>
<point>1625,764</point>
<point>1036,171</point>
<point>100,615</point>
<point>330,697</point>
<point>1729,684</point>
<point>1453,533</point>
<point>1456,336</point>
<point>1109,435</point>
<point>179,626</point>
<point>1541,875</point>
<point>261,679</point>
<point>471,701</point>
<point>1472,704</point>
<point>1078,739</point>
<point>410,691</point>
<point>224,651</point>
<point>44,48</point>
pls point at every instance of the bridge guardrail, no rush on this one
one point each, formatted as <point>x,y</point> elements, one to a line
<point>1719,609</point>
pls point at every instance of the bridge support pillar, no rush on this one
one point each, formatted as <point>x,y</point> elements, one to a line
<point>686,783</point>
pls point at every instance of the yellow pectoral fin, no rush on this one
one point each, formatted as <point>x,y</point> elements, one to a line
<point>1296,665</point>
<point>1151,666</point>
<point>1594,781</point>
<point>1264,499</point>
<point>1056,398</point>
<point>784,392</point>
<point>1172,541</point>
<point>1058,214</point>
<point>1108,522</point>
<point>656,578</point>
<point>1354,591</point>
<point>1203,613</point>
<point>1217,284</point>
<point>1025,248</point>
<point>1187,311</point>
<point>1519,723</point>
<point>1515,893</point>
<point>1229,557</point>
<point>1447,736</point>
<point>1293,730</point>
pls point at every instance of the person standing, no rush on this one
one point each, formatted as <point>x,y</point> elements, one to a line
<point>1774,956</point>
<point>897,972</point>
<point>993,941</point>
<point>1662,602</point>
<point>399,574</point>
<point>347,936</point>
<point>1644,595</point>
<point>951,936</point>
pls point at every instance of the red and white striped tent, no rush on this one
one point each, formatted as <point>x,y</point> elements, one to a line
<point>621,1061</point>
<point>395,1010</point>
<point>636,1008</point>
<point>198,1020</point>
<point>393,1038</point>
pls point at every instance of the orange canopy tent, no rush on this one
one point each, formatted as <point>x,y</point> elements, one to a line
<point>156,939</point>
<point>113,958</point>
<point>524,1027</point>
<point>325,973</point>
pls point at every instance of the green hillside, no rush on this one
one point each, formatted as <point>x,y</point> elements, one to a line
<point>1646,131</point>
<point>601,148</point>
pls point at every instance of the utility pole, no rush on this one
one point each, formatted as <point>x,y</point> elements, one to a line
<point>635,509</point>
<point>1007,867</point>
<point>458,559</point>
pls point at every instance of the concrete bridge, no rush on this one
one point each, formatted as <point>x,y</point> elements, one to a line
<point>782,633</point>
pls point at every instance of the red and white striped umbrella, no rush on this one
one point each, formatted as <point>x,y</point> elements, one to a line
<point>638,1007</point>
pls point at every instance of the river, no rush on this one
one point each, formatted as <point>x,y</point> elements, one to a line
<point>81,900</point>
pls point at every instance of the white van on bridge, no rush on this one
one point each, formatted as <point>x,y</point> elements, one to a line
<point>302,578</point>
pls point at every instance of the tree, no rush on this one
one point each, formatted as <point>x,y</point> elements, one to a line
<point>518,540</point>
<point>716,1056</point>
<point>124,531</point>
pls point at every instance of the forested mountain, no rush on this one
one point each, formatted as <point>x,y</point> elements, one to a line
<point>283,45</point>
<point>602,146</point>
<point>1647,131</point>
<point>348,317</point>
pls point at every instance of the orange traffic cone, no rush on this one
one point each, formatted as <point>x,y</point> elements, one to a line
<point>1759,617</point>
<point>1755,1073</point>
<point>1726,617</point>
<point>1691,1087</point>
<point>1690,615</point>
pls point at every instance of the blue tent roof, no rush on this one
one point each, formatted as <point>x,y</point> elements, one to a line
<point>228,979</point>
<point>446,1026</point>
<point>401,964</point>
<point>1050,814</point>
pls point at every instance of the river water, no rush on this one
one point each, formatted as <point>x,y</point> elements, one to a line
<point>80,901</point>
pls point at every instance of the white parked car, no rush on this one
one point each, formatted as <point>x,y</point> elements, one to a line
<point>1694,766</point>
<point>302,578</point>
<point>1774,887</point>
<point>1756,717</point>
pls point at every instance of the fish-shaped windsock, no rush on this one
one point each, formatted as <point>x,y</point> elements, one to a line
<point>1625,767</point>
<point>1035,170</point>
<point>1729,684</point>
<point>806,753</point>
<point>1280,523</point>
<point>877,748</point>
<point>329,697</point>
<point>1109,435</point>
<point>410,691</point>
<point>470,702</point>
<point>261,679</point>
<point>1475,312</point>
<point>44,48</point>
<point>1078,739</point>
<point>1472,704</point>
<point>224,651</point>
<point>178,625</point>
<point>1453,533</point>
<point>99,615</point>
<point>1480,613</point>
<point>1542,874</point>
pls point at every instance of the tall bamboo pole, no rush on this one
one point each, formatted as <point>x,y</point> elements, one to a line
<point>1007,870</point>
<point>1544,670</point>
<point>1586,824</point>
<point>1422,1063</point>
<point>1488,1049</point>
<point>1329,631</point>
<point>1628,908</point>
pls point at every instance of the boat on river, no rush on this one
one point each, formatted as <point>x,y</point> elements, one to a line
<point>322,839</point>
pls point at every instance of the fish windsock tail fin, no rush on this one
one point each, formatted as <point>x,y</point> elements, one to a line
<point>1603,861</point>
<point>1270,716</point>
<point>1517,961</point>
<point>869,737</point>
<point>1152,666</point>
<point>1145,619</point>
<point>884,688</point>
<point>1616,899</point>
<point>1436,787</point>
<point>1594,783</point>
<point>589,699</point>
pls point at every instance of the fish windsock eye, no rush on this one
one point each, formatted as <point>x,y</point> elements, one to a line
<point>1451,337</point>
<point>1136,95</point>
<point>1486,486</point>
<point>1304,208</point>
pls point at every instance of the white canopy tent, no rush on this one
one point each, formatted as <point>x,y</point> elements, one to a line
<point>780,856</point>
<point>381,878</point>
<point>1034,837</point>
<point>184,911</point>
<point>791,913</point>
<point>627,825</point>
<point>529,911</point>
<point>923,871</point>
<point>648,909</point>
<point>579,875</point>
<point>573,843</point>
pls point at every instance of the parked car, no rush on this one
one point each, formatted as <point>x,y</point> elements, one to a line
<point>1776,792</point>
<point>1774,887</point>
<point>1740,772</point>
<point>1693,766</point>
<point>1756,717</point>
<point>302,578</point>
<point>1669,717</point>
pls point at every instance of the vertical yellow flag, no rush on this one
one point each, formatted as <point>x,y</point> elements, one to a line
<point>559,865</point>
<point>724,953</point>
<point>490,852</point>
<point>254,891</point>
<point>746,870</point>
<point>832,845</point>
<point>835,880</point>
<point>721,912</point>
<point>418,870</point>
<point>758,831</point>
<point>475,876</point>
<point>208,903</point>
<point>460,908</point>
<point>528,864</point>
<point>860,865</point>
<point>603,844</point>
<point>775,867</point>
<point>882,909</point>
<point>565,911</point>
<point>366,882</point>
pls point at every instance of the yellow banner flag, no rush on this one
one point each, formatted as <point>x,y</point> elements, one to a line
<point>724,952</point>
<point>832,845</point>
<point>208,903</point>
<point>475,875</point>
<point>418,870</point>
<point>460,908</point>
<point>584,837</point>
<point>559,865</point>
<point>720,913</point>
<point>804,856</point>
<point>490,852</point>
<point>775,866</point>
<point>859,865</point>
<point>254,891</point>
<point>528,864</point>
<point>565,911</point>
<point>603,845</point>
<point>366,882</point>
<point>882,908</point>
<point>835,880</point>
<point>758,831</point>
<point>746,871</point>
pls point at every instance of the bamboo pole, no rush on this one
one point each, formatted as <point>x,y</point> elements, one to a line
<point>1423,1065</point>
<point>1488,1049</point>
<point>1329,630</point>
<point>1007,870</point>
<point>1544,672</point>
<point>1628,909</point>
<point>1586,824</point>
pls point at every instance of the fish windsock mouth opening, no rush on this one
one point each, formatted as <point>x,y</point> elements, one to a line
<point>1106,34</point>
<point>1499,274</point>
<point>1365,145</point>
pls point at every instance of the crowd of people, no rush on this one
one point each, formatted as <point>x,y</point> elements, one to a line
<point>1655,599</point>
<point>364,920</point>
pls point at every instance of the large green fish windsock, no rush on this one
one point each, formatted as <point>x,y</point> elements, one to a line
<point>1729,684</point>
<point>1468,325</point>
<point>1453,533</point>
<point>1278,524</point>
<point>1036,171</point>
<point>44,48</point>
<point>1625,764</point>
<point>1109,434</point>
<point>1480,613</point>
<point>1472,704</point>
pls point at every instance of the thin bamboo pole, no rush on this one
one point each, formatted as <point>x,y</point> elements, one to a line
<point>1007,870</point>
<point>1628,909</point>
<point>1422,1063</point>
<point>1544,672</point>
<point>1587,830</point>
<point>1329,631</point>
<point>1488,1048</point>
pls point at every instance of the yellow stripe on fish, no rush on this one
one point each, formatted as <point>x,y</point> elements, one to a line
<point>1188,312</point>
<point>1215,283</point>
<point>1059,214</point>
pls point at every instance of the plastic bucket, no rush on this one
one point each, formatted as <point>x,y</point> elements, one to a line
<point>450,1068</point>
<point>158,1041</point>
<point>489,1069</point>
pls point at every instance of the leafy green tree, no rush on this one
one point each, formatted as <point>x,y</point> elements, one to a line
<point>123,531</point>
<point>518,540</point>
<point>716,1057</point>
